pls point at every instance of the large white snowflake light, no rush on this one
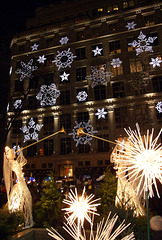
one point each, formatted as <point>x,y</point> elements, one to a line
<point>41,59</point>
<point>82,96</point>
<point>64,76</point>
<point>101,113</point>
<point>18,104</point>
<point>30,131</point>
<point>64,40</point>
<point>64,59</point>
<point>130,25</point>
<point>155,62</point>
<point>159,107</point>
<point>143,43</point>
<point>97,51</point>
<point>98,76</point>
<point>88,128</point>
<point>116,62</point>
<point>34,47</point>
<point>48,95</point>
<point>26,70</point>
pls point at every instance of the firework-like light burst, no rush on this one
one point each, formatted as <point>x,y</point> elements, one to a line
<point>141,161</point>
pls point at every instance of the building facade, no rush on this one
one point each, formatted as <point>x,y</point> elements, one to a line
<point>94,64</point>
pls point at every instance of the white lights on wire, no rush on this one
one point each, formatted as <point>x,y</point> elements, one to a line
<point>64,40</point>
<point>155,62</point>
<point>116,62</point>
<point>159,107</point>
<point>41,59</point>
<point>18,104</point>
<point>101,113</point>
<point>26,70</point>
<point>64,76</point>
<point>97,51</point>
<point>34,47</point>
<point>64,59</point>
<point>130,25</point>
<point>82,96</point>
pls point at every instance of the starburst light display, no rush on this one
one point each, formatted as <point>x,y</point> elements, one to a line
<point>82,96</point>
<point>30,131</point>
<point>97,51</point>
<point>155,62</point>
<point>64,40</point>
<point>26,70</point>
<point>34,47</point>
<point>64,59</point>
<point>88,128</point>
<point>130,25</point>
<point>116,62</point>
<point>48,95</point>
<point>64,76</point>
<point>41,59</point>
<point>143,43</point>
<point>141,161</point>
<point>101,113</point>
<point>159,107</point>
<point>18,104</point>
<point>99,76</point>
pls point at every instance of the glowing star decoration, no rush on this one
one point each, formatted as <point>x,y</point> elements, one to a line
<point>82,96</point>
<point>18,104</point>
<point>143,43</point>
<point>64,76</point>
<point>97,51</point>
<point>101,113</point>
<point>64,40</point>
<point>159,107</point>
<point>141,161</point>
<point>41,59</point>
<point>99,76</point>
<point>34,47</point>
<point>155,62</point>
<point>88,128</point>
<point>116,62</point>
<point>48,95</point>
<point>64,59</point>
<point>30,131</point>
<point>130,25</point>
<point>27,69</point>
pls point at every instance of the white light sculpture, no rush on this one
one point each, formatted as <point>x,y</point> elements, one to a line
<point>41,59</point>
<point>48,95</point>
<point>82,96</point>
<point>155,62</point>
<point>30,131</point>
<point>34,47</point>
<point>82,139</point>
<point>101,113</point>
<point>18,104</point>
<point>10,71</point>
<point>97,51</point>
<point>159,107</point>
<point>64,40</point>
<point>130,25</point>
<point>27,69</point>
<point>116,62</point>
<point>143,43</point>
<point>64,76</point>
<point>64,59</point>
<point>18,195</point>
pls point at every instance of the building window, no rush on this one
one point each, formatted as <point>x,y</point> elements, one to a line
<point>32,102</point>
<point>87,163</point>
<point>33,166</point>
<point>81,74</point>
<point>80,53</point>
<point>33,82</point>
<point>32,150</point>
<point>80,163</point>
<point>117,70</point>
<point>44,165</point>
<point>18,85</point>
<point>48,78</point>
<point>27,166</point>
<point>65,76</point>
<point>149,20</point>
<point>112,8</point>
<point>99,46</point>
<point>99,92</point>
<point>141,114</point>
<point>107,162</point>
<point>157,84</point>
<point>125,5</point>
<point>49,41</point>
<point>48,62</point>
<point>50,165</point>
<point>83,148</point>
<point>121,119</point>
<point>48,125</point>
<point>65,97</point>
<point>130,40</point>
<point>21,48</point>
<point>65,146</point>
<point>79,35</point>
<point>118,90</point>
<point>114,47</point>
<point>112,27</point>
<point>82,116</point>
<point>100,162</point>
<point>103,146</point>
<point>135,65</point>
<point>16,127</point>
<point>65,120</point>
<point>18,64</point>
<point>48,147</point>
<point>115,7</point>
<point>96,31</point>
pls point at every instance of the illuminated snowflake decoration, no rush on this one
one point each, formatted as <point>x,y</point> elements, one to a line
<point>99,76</point>
<point>8,107</point>
<point>143,43</point>
<point>85,138</point>
<point>159,107</point>
<point>155,62</point>
<point>64,59</point>
<point>10,71</point>
<point>64,40</point>
<point>34,47</point>
<point>27,69</point>
<point>64,76</point>
<point>116,62</point>
<point>82,96</point>
<point>48,95</point>
<point>139,80</point>
<point>97,51</point>
<point>41,59</point>
<point>30,131</point>
<point>130,25</point>
<point>17,149</point>
<point>18,104</point>
<point>101,113</point>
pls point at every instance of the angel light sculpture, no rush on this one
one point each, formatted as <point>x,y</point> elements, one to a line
<point>18,195</point>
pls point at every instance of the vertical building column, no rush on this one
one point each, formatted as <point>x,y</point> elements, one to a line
<point>93,123</point>
<point>111,120</point>
<point>56,129</point>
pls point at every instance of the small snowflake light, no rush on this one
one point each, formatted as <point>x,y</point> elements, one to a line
<point>88,128</point>
<point>130,25</point>
<point>48,95</point>
<point>27,69</point>
<point>82,96</point>
<point>64,59</point>
<point>18,104</point>
<point>143,43</point>
<point>64,40</point>
<point>41,59</point>
<point>97,51</point>
<point>64,76</point>
<point>99,76</point>
<point>34,47</point>
<point>101,113</point>
<point>159,107</point>
<point>155,62</point>
<point>30,131</point>
<point>116,62</point>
